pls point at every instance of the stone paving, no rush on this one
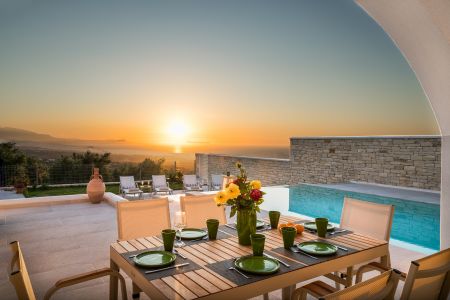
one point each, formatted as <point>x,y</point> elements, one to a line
<point>4,195</point>
<point>63,240</point>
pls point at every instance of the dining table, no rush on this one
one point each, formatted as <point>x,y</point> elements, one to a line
<point>207,272</point>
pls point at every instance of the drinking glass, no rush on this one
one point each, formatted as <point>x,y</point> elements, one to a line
<point>321,225</point>
<point>213,226</point>
<point>288,234</point>
<point>258,241</point>
<point>179,224</point>
<point>274,217</point>
<point>168,236</point>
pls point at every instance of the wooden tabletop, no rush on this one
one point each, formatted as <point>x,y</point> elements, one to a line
<point>207,284</point>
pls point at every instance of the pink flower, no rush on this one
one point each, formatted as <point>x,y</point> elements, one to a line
<point>255,195</point>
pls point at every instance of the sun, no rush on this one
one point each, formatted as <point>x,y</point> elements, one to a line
<point>177,132</point>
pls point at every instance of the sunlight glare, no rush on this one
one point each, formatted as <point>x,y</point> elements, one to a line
<point>177,132</point>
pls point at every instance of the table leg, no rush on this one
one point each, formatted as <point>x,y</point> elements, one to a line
<point>286,292</point>
<point>386,261</point>
<point>113,281</point>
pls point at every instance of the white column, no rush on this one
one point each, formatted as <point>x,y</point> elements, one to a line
<point>445,193</point>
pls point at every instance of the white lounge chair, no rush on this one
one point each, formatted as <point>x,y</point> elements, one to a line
<point>190,183</point>
<point>160,185</point>
<point>216,182</point>
<point>129,187</point>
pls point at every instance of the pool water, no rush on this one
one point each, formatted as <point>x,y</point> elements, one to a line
<point>414,222</point>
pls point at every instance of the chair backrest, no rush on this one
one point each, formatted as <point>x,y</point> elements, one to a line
<point>428,278</point>
<point>159,181</point>
<point>217,180</point>
<point>127,182</point>
<point>200,208</point>
<point>136,219</point>
<point>190,180</point>
<point>371,219</point>
<point>382,286</point>
<point>19,275</point>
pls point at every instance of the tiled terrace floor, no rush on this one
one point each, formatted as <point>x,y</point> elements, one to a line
<point>64,240</point>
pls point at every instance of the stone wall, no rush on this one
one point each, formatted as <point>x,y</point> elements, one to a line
<point>407,161</point>
<point>400,161</point>
<point>271,171</point>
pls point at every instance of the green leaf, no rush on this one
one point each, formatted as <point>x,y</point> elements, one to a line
<point>257,209</point>
<point>233,211</point>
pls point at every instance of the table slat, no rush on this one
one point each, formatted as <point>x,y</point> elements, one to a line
<point>211,288</point>
<point>165,289</point>
<point>179,288</point>
<point>191,285</point>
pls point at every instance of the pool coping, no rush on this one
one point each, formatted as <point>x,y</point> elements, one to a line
<point>414,195</point>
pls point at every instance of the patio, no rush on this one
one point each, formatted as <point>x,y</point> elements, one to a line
<point>66,239</point>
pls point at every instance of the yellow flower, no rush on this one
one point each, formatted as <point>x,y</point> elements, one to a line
<point>255,184</point>
<point>233,191</point>
<point>221,198</point>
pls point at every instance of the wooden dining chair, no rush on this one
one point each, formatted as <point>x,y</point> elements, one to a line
<point>427,278</point>
<point>367,218</point>
<point>200,208</point>
<point>382,286</point>
<point>22,284</point>
<point>137,219</point>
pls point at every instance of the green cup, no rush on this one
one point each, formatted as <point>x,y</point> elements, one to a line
<point>213,226</point>
<point>258,241</point>
<point>168,236</point>
<point>274,217</point>
<point>289,234</point>
<point>321,225</point>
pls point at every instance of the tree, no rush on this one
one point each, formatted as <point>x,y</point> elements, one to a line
<point>10,155</point>
<point>150,167</point>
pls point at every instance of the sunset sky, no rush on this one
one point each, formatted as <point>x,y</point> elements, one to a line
<point>203,72</point>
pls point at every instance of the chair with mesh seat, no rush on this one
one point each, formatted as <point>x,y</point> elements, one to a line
<point>129,187</point>
<point>427,278</point>
<point>367,218</point>
<point>136,219</point>
<point>200,208</point>
<point>382,286</point>
<point>216,182</point>
<point>160,184</point>
<point>20,278</point>
<point>190,183</point>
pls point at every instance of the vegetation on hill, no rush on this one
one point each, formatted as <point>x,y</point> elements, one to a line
<point>16,166</point>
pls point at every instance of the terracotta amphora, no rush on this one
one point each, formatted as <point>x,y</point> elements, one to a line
<point>96,187</point>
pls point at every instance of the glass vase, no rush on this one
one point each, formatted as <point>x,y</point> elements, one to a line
<point>245,225</point>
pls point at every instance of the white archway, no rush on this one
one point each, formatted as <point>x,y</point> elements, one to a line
<point>421,31</point>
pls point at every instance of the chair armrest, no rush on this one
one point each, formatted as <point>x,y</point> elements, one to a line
<point>375,266</point>
<point>72,280</point>
<point>317,289</point>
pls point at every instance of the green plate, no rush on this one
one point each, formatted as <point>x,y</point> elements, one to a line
<point>260,224</point>
<point>192,233</point>
<point>154,259</point>
<point>318,248</point>
<point>260,265</point>
<point>312,226</point>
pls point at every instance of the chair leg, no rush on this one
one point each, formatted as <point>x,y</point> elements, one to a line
<point>337,284</point>
<point>349,279</point>
<point>266,296</point>
<point>136,291</point>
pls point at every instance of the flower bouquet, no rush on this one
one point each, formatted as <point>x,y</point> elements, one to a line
<point>244,198</point>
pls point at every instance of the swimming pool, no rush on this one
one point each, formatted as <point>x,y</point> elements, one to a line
<point>414,222</point>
